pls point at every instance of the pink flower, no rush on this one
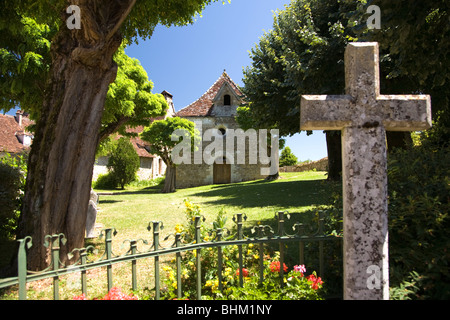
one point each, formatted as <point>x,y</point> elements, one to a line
<point>300,268</point>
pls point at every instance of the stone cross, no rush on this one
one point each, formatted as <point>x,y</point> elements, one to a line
<point>363,116</point>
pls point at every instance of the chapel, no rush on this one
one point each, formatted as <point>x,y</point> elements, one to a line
<point>216,108</point>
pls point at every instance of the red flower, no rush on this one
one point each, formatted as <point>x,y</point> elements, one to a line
<point>314,281</point>
<point>275,266</point>
<point>80,297</point>
<point>244,272</point>
<point>116,294</point>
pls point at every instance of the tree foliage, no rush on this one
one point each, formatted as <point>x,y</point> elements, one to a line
<point>24,60</point>
<point>287,158</point>
<point>134,19</point>
<point>307,42</point>
<point>13,171</point>
<point>130,101</point>
<point>68,128</point>
<point>159,135</point>
<point>419,206</point>
<point>123,163</point>
<point>414,44</point>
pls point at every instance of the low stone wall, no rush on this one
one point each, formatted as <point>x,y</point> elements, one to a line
<point>319,165</point>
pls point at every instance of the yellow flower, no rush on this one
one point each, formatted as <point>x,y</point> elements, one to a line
<point>179,228</point>
<point>167,268</point>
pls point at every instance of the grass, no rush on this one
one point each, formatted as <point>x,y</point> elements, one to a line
<point>131,210</point>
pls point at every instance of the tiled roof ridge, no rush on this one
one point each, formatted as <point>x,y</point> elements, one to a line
<point>224,77</point>
<point>206,92</point>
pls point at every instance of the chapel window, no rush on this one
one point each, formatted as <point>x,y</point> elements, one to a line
<point>226,100</point>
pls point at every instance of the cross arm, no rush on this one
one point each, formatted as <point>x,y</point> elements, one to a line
<point>406,112</point>
<point>325,112</point>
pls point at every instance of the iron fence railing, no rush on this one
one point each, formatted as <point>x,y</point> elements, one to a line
<point>261,235</point>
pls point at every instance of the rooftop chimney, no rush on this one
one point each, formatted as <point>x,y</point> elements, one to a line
<point>18,117</point>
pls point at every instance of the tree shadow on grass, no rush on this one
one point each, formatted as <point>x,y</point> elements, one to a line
<point>276,193</point>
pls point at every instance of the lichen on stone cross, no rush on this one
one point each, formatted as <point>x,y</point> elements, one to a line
<point>363,115</point>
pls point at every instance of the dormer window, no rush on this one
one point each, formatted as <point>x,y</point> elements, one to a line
<point>226,100</point>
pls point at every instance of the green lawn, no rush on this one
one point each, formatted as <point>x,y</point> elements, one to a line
<point>131,210</point>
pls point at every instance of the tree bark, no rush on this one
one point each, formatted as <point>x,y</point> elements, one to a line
<point>67,134</point>
<point>334,155</point>
<point>170,180</point>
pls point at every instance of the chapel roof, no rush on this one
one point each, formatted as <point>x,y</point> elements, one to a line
<point>202,106</point>
<point>140,145</point>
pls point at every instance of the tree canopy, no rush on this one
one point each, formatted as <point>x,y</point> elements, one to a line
<point>134,19</point>
<point>69,123</point>
<point>25,62</point>
<point>303,54</point>
<point>130,101</point>
<point>287,158</point>
<point>159,135</point>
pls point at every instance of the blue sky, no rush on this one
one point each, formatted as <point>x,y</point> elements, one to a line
<point>186,61</point>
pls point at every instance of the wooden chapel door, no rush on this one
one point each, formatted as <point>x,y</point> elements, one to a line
<point>221,173</point>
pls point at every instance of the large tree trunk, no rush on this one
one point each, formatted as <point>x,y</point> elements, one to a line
<point>67,134</point>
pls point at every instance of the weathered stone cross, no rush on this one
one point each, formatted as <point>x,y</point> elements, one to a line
<point>364,115</point>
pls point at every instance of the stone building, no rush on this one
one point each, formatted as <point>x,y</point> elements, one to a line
<point>216,108</point>
<point>14,136</point>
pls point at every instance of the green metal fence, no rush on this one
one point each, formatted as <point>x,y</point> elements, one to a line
<point>261,235</point>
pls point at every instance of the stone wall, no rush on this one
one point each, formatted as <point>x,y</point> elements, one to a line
<point>319,165</point>
<point>192,175</point>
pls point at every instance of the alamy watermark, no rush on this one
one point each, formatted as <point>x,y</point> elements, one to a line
<point>374,21</point>
<point>74,20</point>
<point>374,280</point>
<point>235,151</point>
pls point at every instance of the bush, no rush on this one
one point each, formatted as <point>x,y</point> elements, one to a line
<point>123,163</point>
<point>12,185</point>
<point>419,188</point>
<point>287,158</point>
<point>105,181</point>
<point>294,285</point>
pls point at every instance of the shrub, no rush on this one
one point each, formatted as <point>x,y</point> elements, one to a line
<point>295,284</point>
<point>13,172</point>
<point>123,163</point>
<point>419,188</point>
<point>105,181</point>
<point>287,158</point>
